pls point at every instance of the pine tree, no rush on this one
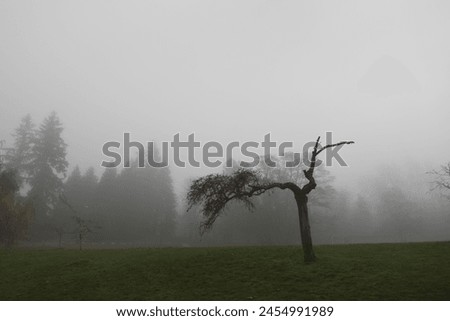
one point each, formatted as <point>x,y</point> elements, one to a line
<point>22,155</point>
<point>48,166</point>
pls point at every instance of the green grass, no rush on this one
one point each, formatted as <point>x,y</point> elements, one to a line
<point>419,271</point>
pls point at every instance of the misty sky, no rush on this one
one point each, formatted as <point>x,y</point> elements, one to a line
<point>375,73</point>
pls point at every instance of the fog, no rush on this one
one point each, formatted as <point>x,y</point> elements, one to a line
<point>376,73</point>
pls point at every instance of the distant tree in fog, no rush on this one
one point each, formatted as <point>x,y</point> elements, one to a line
<point>441,180</point>
<point>397,197</point>
<point>77,202</point>
<point>107,202</point>
<point>48,166</point>
<point>145,205</point>
<point>22,154</point>
<point>213,192</point>
<point>84,228</point>
<point>133,206</point>
<point>73,186</point>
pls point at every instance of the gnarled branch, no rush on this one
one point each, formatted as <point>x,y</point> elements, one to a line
<point>309,174</point>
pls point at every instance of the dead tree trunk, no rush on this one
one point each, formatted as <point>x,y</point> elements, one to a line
<point>305,228</point>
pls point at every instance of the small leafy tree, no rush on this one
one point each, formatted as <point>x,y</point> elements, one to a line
<point>213,192</point>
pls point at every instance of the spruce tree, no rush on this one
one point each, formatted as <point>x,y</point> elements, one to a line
<point>22,155</point>
<point>48,166</point>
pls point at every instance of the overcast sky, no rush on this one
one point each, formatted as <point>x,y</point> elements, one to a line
<point>375,73</point>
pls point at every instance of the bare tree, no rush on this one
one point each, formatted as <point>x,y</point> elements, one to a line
<point>213,192</point>
<point>441,179</point>
<point>82,230</point>
<point>84,227</point>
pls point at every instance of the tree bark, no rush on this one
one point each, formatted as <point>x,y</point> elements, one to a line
<point>305,229</point>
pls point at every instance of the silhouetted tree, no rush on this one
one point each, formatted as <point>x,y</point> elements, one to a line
<point>213,192</point>
<point>273,220</point>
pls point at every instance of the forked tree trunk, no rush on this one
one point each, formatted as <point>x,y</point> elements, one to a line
<point>305,229</point>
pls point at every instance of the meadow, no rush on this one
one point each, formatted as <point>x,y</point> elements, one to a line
<point>414,271</point>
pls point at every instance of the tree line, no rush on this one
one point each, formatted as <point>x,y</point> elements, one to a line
<point>40,202</point>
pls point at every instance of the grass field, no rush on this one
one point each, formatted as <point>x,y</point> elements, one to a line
<point>419,271</point>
